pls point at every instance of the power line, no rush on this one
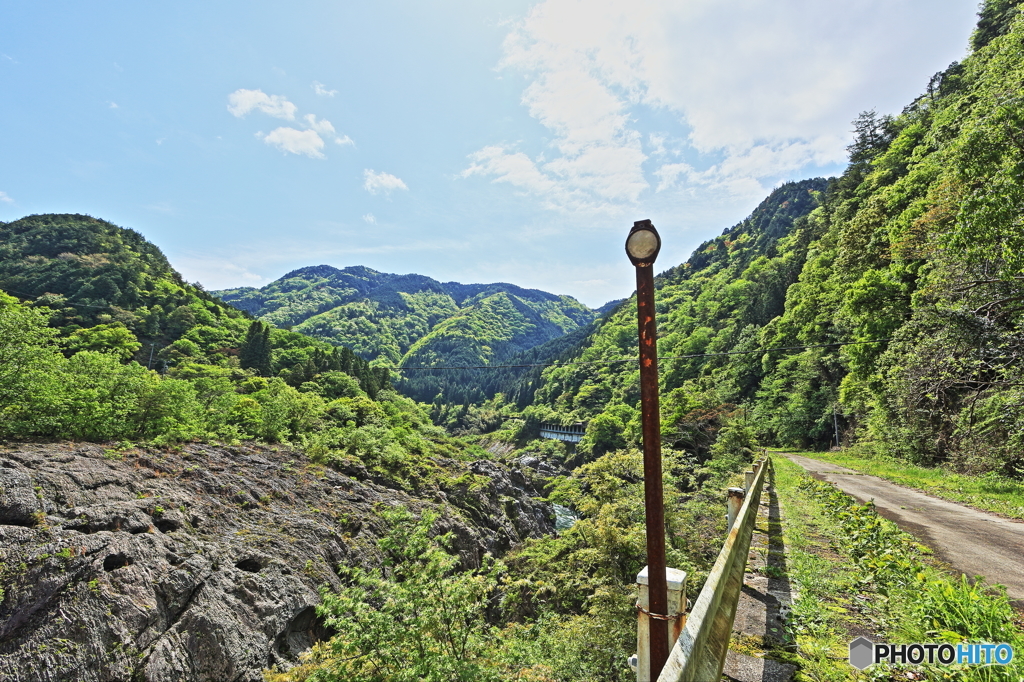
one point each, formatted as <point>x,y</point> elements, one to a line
<point>663,357</point>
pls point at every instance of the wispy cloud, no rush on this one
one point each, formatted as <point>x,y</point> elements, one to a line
<point>381,183</point>
<point>324,127</point>
<point>321,89</point>
<point>370,218</point>
<point>5,199</point>
<point>295,141</point>
<point>292,140</point>
<point>749,96</point>
<point>217,272</point>
<point>242,101</point>
<point>113,105</point>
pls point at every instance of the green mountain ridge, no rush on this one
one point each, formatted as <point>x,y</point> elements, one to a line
<point>415,321</point>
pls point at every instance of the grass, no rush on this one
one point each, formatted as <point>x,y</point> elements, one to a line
<point>989,492</point>
<point>824,618</point>
<point>855,573</point>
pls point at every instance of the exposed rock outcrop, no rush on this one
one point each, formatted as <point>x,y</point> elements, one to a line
<point>202,563</point>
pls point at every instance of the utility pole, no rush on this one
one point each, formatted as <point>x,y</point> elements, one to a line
<point>835,423</point>
<point>642,247</point>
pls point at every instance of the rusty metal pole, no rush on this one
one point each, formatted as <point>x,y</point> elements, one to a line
<point>642,246</point>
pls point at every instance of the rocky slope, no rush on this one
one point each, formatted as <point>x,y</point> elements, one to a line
<point>202,562</point>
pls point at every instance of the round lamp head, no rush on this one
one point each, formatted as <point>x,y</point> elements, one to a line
<point>643,243</point>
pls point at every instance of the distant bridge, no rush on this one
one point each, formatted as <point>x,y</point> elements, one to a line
<point>566,434</point>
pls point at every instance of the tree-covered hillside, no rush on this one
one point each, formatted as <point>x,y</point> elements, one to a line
<point>89,272</point>
<point>729,288</point>
<point>415,321</point>
<point>105,288</point>
<point>913,258</point>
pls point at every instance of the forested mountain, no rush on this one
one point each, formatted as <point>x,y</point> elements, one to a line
<point>914,258</point>
<point>416,321</point>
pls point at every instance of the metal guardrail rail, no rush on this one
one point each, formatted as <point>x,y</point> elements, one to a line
<point>699,653</point>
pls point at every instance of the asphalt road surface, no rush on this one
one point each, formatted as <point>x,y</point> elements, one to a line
<point>971,541</point>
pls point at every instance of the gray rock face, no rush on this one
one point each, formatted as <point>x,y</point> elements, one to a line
<point>203,563</point>
<point>18,503</point>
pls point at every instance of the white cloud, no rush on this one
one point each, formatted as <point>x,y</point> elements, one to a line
<point>6,199</point>
<point>113,105</point>
<point>757,90</point>
<point>324,127</point>
<point>242,101</point>
<point>321,89</point>
<point>370,218</point>
<point>381,183</point>
<point>295,141</point>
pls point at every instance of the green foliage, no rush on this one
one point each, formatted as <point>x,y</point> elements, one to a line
<point>109,338</point>
<point>415,618</point>
<point>94,395</point>
<point>604,434</point>
<point>994,19</point>
<point>255,350</point>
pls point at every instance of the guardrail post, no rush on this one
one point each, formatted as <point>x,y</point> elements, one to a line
<point>676,581</point>
<point>735,501</point>
<point>748,479</point>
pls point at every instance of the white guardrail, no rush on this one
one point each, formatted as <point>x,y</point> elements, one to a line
<point>703,641</point>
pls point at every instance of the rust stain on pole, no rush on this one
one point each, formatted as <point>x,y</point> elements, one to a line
<point>651,419</point>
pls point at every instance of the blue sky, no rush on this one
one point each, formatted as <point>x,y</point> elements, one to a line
<point>501,141</point>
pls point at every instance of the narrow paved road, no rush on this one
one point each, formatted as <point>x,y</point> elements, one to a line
<point>971,541</point>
